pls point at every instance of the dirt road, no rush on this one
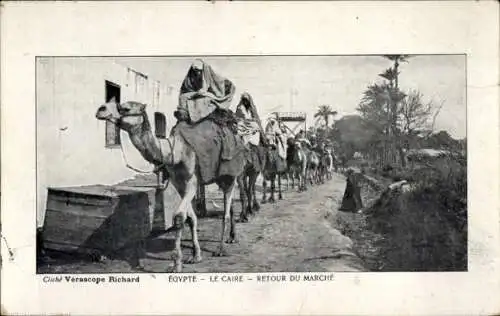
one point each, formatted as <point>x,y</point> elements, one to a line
<point>294,234</point>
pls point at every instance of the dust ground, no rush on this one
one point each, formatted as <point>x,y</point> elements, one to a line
<point>297,234</point>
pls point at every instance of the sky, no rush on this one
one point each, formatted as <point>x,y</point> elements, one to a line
<point>302,83</point>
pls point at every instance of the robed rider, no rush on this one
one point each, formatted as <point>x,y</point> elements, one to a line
<point>202,92</point>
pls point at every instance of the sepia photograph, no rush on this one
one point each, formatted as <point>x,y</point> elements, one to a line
<point>249,158</point>
<point>251,163</point>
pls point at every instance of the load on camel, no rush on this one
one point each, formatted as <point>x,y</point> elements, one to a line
<point>186,157</point>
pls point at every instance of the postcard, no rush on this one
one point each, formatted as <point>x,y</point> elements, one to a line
<point>246,158</point>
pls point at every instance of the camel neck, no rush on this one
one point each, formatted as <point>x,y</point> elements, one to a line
<point>147,144</point>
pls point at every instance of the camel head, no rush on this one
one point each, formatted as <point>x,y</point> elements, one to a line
<point>108,112</point>
<point>128,116</point>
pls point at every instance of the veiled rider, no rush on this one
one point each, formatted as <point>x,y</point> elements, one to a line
<point>204,93</point>
<point>249,124</point>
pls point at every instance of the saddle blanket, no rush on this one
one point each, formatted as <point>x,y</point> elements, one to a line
<point>249,131</point>
<point>219,151</point>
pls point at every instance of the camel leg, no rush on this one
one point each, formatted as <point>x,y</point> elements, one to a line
<point>178,250</point>
<point>201,204</point>
<point>228,197</point>
<point>248,191</point>
<point>243,189</point>
<point>264,189</point>
<point>191,187</point>
<point>280,196</point>
<point>193,225</point>
<point>232,231</point>
<point>253,181</point>
<point>229,214</point>
<point>180,217</point>
<point>304,179</point>
<point>271,198</point>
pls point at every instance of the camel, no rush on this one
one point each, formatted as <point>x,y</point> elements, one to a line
<point>276,166</point>
<point>325,167</point>
<point>328,164</point>
<point>246,184</point>
<point>292,172</point>
<point>175,157</point>
<point>248,117</point>
<point>291,176</point>
<point>313,165</point>
<point>322,167</point>
<point>247,181</point>
<point>298,165</point>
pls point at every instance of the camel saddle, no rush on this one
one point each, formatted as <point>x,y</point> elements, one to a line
<point>219,150</point>
<point>256,156</point>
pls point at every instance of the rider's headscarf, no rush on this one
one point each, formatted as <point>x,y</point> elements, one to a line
<point>200,75</point>
<point>246,101</point>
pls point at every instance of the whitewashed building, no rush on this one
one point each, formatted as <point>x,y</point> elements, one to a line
<point>73,147</point>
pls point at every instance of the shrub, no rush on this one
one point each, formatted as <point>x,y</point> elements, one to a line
<point>425,229</point>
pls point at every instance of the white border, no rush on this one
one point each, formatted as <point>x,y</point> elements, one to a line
<point>163,28</point>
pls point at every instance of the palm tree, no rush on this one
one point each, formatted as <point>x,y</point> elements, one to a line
<point>374,105</point>
<point>397,59</point>
<point>392,74</point>
<point>325,111</point>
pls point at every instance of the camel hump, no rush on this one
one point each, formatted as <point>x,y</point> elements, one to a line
<point>219,151</point>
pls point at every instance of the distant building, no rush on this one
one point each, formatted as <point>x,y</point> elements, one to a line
<point>73,147</point>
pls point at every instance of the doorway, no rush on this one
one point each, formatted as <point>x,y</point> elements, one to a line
<point>112,131</point>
